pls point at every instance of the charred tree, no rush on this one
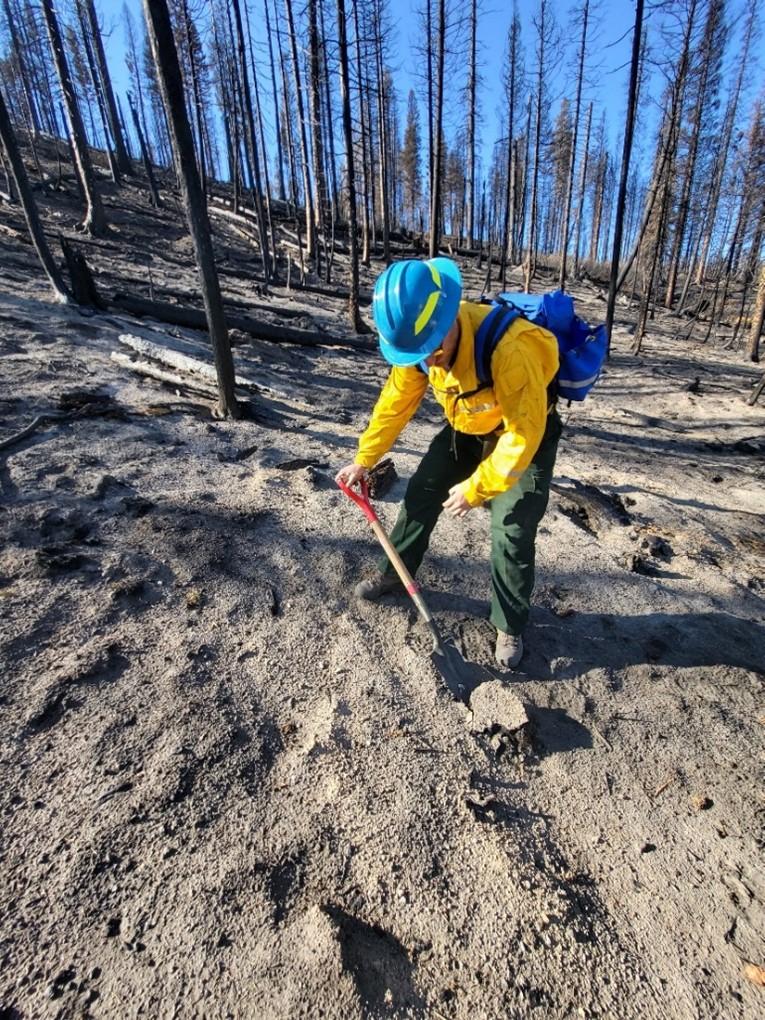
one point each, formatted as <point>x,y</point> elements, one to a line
<point>115,128</point>
<point>145,156</point>
<point>279,149</point>
<point>382,126</point>
<point>471,118</point>
<point>706,57</point>
<point>585,16</point>
<point>624,177</point>
<point>252,142</point>
<point>317,146</point>
<point>166,59</point>
<point>438,138</point>
<point>512,84</point>
<point>365,197</point>
<point>307,187</point>
<point>24,191</point>
<point>21,63</point>
<point>99,95</point>
<point>758,319</point>
<point>543,30</point>
<point>345,95</point>
<point>95,220</point>
<point>723,153</point>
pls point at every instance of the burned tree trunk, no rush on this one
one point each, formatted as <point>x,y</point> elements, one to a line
<point>626,155</point>
<point>24,191</point>
<point>472,76</point>
<point>353,303</point>
<point>95,81</point>
<point>528,269</point>
<point>279,149</point>
<point>95,220</point>
<point>317,146</point>
<point>309,212</point>
<point>438,156</point>
<point>252,142</point>
<point>18,51</point>
<point>574,138</point>
<point>153,192</point>
<point>382,126</point>
<point>582,186</point>
<point>169,73</point>
<point>758,319</point>
<point>120,150</point>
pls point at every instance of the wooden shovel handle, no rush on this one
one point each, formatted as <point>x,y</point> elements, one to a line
<point>413,589</point>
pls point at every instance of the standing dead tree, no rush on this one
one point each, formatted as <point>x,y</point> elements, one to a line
<point>758,319</point>
<point>365,174</point>
<point>345,94</point>
<point>585,16</point>
<point>383,128</point>
<point>722,155</point>
<point>513,81</point>
<point>17,47</point>
<point>544,31</point>
<point>166,60</point>
<point>24,191</point>
<point>438,153</point>
<point>145,157</point>
<point>310,226</point>
<point>703,81</point>
<point>252,143</point>
<point>120,150</point>
<point>321,211</point>
<point>626,156</point>
<point>95,220</point>
<point>471,119</point>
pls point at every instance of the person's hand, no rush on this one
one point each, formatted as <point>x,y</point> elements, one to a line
<point>456,504</point>
<point>351,474</point>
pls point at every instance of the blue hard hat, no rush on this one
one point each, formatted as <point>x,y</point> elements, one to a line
<point>414,306</point>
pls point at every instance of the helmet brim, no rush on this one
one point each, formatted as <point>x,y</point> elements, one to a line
<point>451,284</point>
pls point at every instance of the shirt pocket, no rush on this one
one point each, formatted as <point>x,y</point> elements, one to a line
<point>484,402</point>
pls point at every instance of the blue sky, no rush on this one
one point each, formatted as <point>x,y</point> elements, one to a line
<point>608,59</point>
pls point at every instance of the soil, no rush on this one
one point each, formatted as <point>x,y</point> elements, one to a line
<point>230,790</point>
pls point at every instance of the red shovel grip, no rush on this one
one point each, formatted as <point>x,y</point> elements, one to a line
<point>361,499</point>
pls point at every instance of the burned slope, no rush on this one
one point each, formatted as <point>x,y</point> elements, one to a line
<point>230,790</point>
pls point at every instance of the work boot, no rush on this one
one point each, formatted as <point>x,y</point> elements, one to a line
<point>373,588</point>
<point>509,650</point>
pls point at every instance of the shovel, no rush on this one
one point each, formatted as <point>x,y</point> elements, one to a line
<point>460,677</point>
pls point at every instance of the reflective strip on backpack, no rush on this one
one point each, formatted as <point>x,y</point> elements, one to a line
<point>579,383</point>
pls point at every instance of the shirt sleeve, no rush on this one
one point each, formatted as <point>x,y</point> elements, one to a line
<point>522,396</point>
<point>399,399</point>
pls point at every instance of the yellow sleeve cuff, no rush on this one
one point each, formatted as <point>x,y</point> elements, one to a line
<point>365,460</point>
<point>471,494</point>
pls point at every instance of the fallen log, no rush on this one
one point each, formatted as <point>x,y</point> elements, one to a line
<point>153,372</point>
<point>183,363</point>
<point>194,318</point>
<point>169,293</point>
<point>248,226</point>
<point>339,292</point>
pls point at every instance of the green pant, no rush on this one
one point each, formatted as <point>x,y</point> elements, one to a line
<point>515,516</point>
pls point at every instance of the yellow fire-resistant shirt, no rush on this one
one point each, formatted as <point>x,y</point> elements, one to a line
<point>515,406</point>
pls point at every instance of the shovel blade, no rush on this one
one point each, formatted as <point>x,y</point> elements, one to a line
<point>460,676</point>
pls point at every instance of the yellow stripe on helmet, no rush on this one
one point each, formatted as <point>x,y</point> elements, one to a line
<point>430,305</point>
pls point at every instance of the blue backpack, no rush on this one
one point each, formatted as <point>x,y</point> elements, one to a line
<point>582,349</point>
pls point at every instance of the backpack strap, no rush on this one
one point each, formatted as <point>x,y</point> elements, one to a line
<point>488,335</point>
